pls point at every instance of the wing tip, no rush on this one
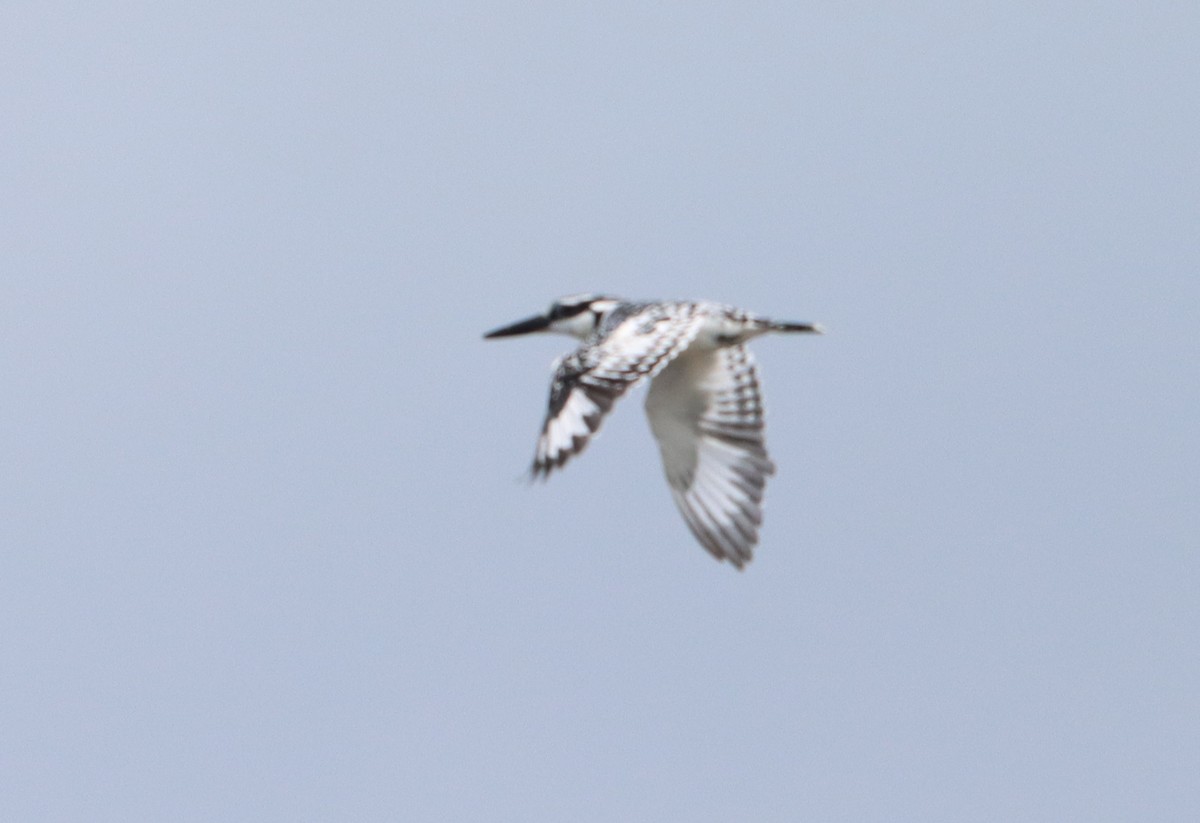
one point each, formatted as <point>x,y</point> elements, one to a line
<point>738,549</point>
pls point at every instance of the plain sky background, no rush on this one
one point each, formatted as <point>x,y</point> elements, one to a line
<point>263,551</point>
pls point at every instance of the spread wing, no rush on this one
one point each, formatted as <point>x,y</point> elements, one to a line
<point>587,382</point>
<point>706,411</point>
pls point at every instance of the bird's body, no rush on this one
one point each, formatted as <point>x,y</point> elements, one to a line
<point>704,404</point>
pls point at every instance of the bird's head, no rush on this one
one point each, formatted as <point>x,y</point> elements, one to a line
<point>578,315</point>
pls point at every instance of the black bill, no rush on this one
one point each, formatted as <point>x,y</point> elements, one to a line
<point>533,324</point>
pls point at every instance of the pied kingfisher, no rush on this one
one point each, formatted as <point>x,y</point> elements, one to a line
<point>704,403</point>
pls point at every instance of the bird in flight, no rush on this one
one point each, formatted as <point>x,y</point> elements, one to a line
<point>705,405</point>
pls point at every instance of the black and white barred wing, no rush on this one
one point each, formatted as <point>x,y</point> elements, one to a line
<point>588,381</point>
<point>706,411</point>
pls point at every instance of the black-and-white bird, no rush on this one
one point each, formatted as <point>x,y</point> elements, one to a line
<point>704,404</point>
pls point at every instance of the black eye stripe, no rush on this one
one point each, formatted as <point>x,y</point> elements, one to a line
<point>560,312</point>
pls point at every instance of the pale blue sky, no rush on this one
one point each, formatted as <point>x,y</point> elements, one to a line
<point>262,552</point>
